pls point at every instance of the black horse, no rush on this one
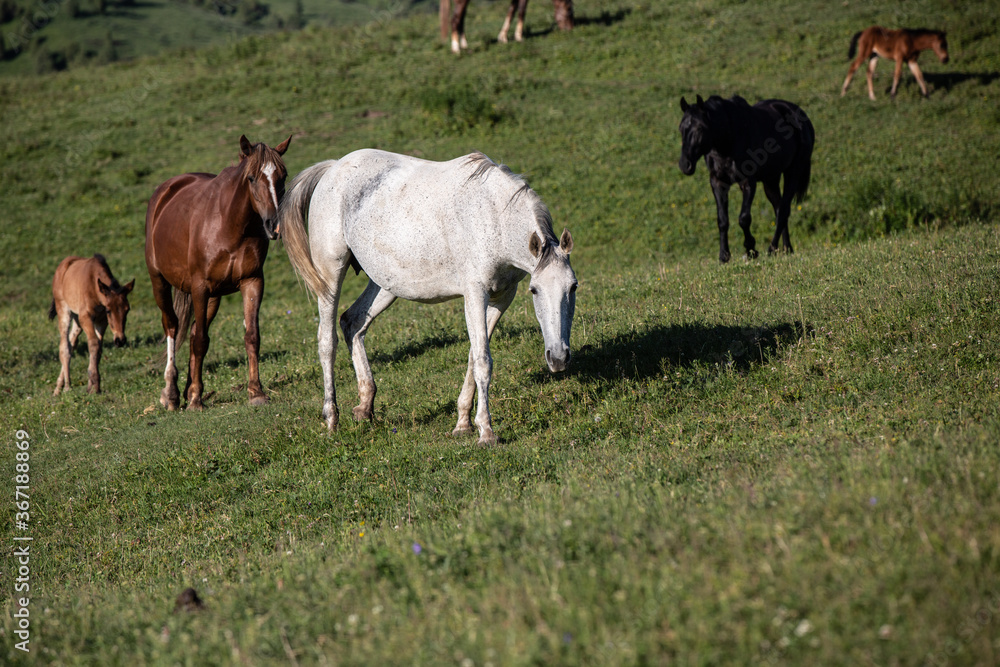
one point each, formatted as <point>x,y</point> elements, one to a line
<point>746,145</point>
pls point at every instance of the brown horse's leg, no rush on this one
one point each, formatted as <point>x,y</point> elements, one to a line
<point>522,8</point>
<point>458,41</point>
<point>850,73</point>
<point>872,62</point>
<point>897,73</point>
<point>253,291</point>
<point>721,192</point>
<point>918,75</point>
<point>66,324</point>
<point>749,189</point>
<point>199,348</point>
<point>170,396</point>
<point>502,37</point>
<point>564,14</point>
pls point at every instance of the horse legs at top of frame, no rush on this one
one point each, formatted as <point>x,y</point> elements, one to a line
<point>453,24</point>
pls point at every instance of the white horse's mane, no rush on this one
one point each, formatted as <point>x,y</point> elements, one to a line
<point>483,166</point>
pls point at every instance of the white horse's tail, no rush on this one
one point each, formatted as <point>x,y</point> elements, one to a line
<point>294,209</point>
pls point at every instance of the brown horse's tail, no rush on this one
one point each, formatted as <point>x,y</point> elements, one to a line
<point>52,310</point>
<point>444,11</point>
<point>182,307</point>
<point>294,209</point>
<point>851,52</point>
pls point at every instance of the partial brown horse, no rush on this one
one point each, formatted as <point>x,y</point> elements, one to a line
<point>85,297</point>
<point>207,236</point>
<point>903,46</point>
<point>456,25</point>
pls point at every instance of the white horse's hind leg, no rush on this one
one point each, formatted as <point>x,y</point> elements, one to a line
<point>355,322</point>
<point>493,313</point>
<point>327,336</point>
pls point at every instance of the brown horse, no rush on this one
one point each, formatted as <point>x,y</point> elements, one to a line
<point>563,16</point>
<point>207,236</point>
<point>85,297</point>
<point>903,46</point>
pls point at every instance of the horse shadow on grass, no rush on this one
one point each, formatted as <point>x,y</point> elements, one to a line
<point>644,355</point>
<point>605,18</point>
<point>946,80</point>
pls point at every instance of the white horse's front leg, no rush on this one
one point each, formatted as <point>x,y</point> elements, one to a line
<point>355,322</point>
<point>494,311</point>
<point>327,336</point>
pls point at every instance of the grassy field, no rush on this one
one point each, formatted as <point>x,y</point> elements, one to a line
<point>786,461</point>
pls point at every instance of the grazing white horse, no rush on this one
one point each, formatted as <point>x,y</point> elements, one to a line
<point>426,231</point>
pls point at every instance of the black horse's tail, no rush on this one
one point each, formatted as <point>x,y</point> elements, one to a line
<point>854,45</point>
<point>52,310</point>
<point>807,139</point>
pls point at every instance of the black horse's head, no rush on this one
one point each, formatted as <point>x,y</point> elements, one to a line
<point>695,137</point>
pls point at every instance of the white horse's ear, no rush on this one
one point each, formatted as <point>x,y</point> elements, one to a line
<point>535,245</point>
<point>566,241</point>
<point>245,145</point>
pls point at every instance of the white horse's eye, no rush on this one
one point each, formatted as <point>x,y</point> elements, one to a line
<point>572,288</point>
<point>533,289</point>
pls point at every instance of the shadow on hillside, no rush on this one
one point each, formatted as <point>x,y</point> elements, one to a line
<point>946,80</point>
<point>605,18</point>
<point>642,355</point>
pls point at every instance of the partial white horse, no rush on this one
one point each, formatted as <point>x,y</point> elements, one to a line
<point>429,232</point>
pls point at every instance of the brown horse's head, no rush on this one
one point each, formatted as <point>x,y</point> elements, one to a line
<point>264,172</point>
<point>114,298</point>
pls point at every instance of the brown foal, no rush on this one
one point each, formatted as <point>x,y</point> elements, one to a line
<point>903,46</point>
<point>207,236</point>
<point>86,297</point>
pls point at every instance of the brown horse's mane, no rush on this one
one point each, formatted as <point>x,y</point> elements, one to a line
<point>483,166</point>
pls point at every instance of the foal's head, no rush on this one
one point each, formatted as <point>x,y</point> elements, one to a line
<point>265,173</point>
<point>695,135</point>
<point>941,47</point>
<point>114,298</point>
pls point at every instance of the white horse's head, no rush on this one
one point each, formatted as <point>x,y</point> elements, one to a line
<point>553,292</point>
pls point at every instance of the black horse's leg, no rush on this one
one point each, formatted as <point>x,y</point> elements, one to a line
<point>782,204</point>
<point>721,191</point>
<point>749,189</point>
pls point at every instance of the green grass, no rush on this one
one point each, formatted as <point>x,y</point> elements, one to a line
<point>786,461</point>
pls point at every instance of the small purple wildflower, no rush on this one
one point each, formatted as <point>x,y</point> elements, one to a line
<point>567,638</point>
<point>417,548</point>
<point>873,501</point>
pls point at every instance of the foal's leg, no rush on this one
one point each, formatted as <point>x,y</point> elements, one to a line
<point>199,348</point>
<point>749,188</point>
<point>252,290</point>
<point>355,322</point>
<point>494,311</point>
<point>897,73</point>
<point>95,333</point>
<point>721,191</point>
<point>918,75</point>
<point>66,323</point>
<point>850,73</point>
<point>170,396</point>
<point>872,62</point>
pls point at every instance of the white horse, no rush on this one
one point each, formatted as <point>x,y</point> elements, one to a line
<point>429,232</point>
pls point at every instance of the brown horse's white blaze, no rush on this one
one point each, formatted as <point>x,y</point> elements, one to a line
<point>207,236</point>
<point>86,297</point>
<point>903,46</point>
